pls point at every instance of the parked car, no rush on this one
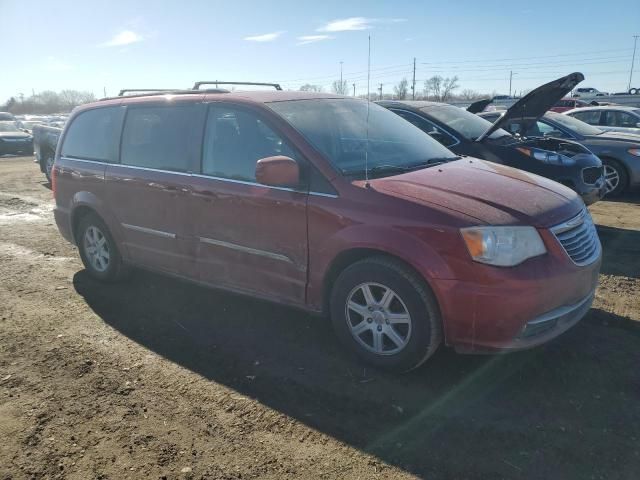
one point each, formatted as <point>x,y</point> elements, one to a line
<point>467,134</point>
<point>7,117</point>
<point>588,92</point>
<point>13,140</point>
<point>332,205</point>
<point>27,125</point>
<point>568,104</point>
<point>610,118</point>
<point>45,141</point>
<point>619,152</point>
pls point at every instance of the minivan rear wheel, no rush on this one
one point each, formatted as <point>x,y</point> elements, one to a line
<point>98,250</point>
<point>386,314</point>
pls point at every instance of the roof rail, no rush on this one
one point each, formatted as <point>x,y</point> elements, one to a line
<point>122,92</point>
<point>151,93</point>
<point>277,86</point>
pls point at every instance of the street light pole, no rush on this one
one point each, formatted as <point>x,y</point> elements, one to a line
<point>341,84</point>
<point>354,89</point>
<point>510,79</point>
<point>633,59</point>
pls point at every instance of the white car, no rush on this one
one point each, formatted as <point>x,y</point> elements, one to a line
<point>588,92</point>
<point>612,118</point>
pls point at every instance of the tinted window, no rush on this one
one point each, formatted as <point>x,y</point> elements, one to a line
<point>235,140</point>
<point>467,124</point>
<point>338,129</point>
<point>620,119</point>
<point>591,117</point>
<point>428,127</point>
<point>161,137</point>
<point>94,135</point>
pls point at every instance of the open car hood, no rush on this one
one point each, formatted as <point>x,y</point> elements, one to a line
<point>535,104</point>
<point>479,106</point>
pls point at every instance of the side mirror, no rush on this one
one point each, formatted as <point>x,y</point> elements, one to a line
<point>278,171</point>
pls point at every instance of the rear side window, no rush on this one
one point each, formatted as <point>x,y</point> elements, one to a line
<point>161,137</point>
<point>94,135</point>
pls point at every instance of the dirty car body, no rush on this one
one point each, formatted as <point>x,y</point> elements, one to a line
<point>283,196</point>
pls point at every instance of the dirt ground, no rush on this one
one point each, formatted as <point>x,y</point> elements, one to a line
<point>156,378</point>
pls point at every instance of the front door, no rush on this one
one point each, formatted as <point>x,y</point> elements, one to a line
<point>249,237</point>
<point>150,188</point>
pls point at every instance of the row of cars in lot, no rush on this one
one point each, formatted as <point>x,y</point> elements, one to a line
<point>17,131</point>
<point>406,223</point>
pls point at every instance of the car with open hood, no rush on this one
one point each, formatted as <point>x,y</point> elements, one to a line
<point>330,204</point>
<point>619,152</point>
<point>464,133</point>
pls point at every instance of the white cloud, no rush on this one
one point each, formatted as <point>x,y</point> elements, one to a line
<point>266,37</point>
<point>356,23</point>
<point>125,37</point>
<point>53,64</point>
<point>305,39</point>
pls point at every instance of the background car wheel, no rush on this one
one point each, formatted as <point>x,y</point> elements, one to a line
<point>47,166</point>
<point>615,177</point>
<point>98,250</point>
<point>386,314</point>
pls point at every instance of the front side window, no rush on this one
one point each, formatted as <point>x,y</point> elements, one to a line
<point>338,128</point>
<point>620,119</point>
<point>591,117</point>
<point>94,135</point>
<point>467,124</point>
<point>428,127</point>
<point>161,137</point>
<point>235,140</point>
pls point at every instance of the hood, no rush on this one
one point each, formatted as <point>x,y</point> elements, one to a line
<point>617,136</point>
<point>535,103</point>
<point>491,193</point>
<point>479,106</point>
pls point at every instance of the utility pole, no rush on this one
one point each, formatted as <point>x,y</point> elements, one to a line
<point>354,89</point>
<point>633,59</point>
<point>510,78</point>
<point>104,91</point>
<point>413,85</point>
<point>342,92</point>
<point>380,90</point>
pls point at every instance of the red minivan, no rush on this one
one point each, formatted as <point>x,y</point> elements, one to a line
<point>330,204</point>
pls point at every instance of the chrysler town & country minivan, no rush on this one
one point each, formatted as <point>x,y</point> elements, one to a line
<point>297,198</point>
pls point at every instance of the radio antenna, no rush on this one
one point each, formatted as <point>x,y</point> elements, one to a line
<point>366,149</point>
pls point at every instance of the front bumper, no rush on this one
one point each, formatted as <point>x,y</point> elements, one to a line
<point>16,147</point>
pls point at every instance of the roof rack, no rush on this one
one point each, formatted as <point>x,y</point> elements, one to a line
<point>277,86</point>
<point>146,92</point>
<point>122,92</point>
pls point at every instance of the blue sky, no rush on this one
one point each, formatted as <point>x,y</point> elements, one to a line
<point>91,45</point>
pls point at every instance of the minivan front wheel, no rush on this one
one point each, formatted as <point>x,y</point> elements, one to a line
<point>98,250</point>
<point>386,314</point>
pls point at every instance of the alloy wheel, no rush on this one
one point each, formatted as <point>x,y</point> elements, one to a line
<point>96,248</point>
<point>378,318</point>
<point>611,178</point>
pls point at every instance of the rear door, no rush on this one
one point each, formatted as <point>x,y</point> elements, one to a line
<point>149,190</point>
<point>250,237</point>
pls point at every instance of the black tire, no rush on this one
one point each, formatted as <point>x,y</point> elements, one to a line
<point>114,269</point>
<point>623,176</point>
<point>414,294</point>
<point>634,91</point>
<point>44,165</point>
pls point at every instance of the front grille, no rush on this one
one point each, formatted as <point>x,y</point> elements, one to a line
<point>579,238</point>
<point>591,175</point>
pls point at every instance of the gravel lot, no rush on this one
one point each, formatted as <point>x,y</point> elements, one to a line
<point>157,378</point>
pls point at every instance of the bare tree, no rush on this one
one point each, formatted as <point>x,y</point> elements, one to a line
<point>339,87</point>
<point>49,101</point>
<point>432,87</point>
<point>469,94</point>
<point>308,87</point>
<point>448,86</point>
<point>402,89</point>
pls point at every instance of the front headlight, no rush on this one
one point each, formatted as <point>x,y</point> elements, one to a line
<point>503,246</point>
<point>547,157</point>
<point>634,151</point>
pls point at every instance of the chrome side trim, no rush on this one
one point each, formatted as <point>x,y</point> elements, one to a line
<point>241,248</point>
<point>187,174</point>
<point>150,231</point>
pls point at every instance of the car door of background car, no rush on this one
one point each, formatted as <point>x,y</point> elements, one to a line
<point>250,237</point>
<point>149,190</point>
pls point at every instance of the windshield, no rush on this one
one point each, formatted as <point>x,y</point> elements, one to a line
<point>338,129</point>
<point>574,124</point>
<point>8,127</point>
<point>467,124</point>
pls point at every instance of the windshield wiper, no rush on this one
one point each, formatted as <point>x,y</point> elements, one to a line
<point>390,168</point>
